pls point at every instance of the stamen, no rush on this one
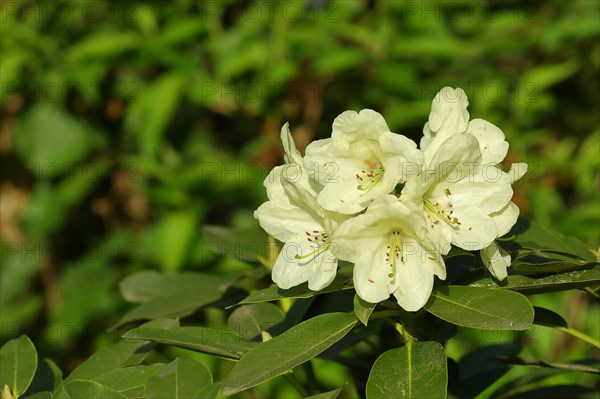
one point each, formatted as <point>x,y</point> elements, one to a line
<point>318,238</point>
<point>369,177</point>
<point>441,212</point>
<point>394,251</point>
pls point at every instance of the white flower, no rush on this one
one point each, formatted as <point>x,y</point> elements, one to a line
<point>361,161</point>
<point>391,252</point>
<point>496,259</point>
<point>293,216</point>
<point>457,194</point>
<point>449,118</point>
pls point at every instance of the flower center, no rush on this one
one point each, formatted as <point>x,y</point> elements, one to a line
<point>368,177</point>
<point>394,251</point>
<point>437,212</point>
<point>319,240</point>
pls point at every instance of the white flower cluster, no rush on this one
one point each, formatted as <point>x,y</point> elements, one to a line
<point>371,197</point>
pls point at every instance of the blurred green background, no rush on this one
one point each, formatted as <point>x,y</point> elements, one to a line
<point>127,126</point>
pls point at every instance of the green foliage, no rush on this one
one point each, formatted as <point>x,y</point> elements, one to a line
<point>417,370</point>
<point>134,146</point>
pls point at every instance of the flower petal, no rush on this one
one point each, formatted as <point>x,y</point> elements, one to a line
<point>324,271</point>
<point>475,231</point>
<point>371,273</point>
<point>496,260</point>
<point>285,223</point>
<point>401,159</point>
<point>505,218</point>
<point>291,153</point>
<point>352,126</point>
<point>300,261</point>
<point>517,170</point>
<point>458,154</point>
<point>448,117</point>
<point>491,141</point>
<point>415,277</point>
<point>449,110</point>
<point>287,272</point>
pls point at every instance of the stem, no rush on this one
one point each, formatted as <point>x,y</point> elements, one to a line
<point>580,335</point>
<point>293,380</point>
<point>593,294</point>
<point>384,313</point>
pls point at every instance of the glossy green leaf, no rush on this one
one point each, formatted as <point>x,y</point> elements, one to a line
<point>327,395</point>
<point>416,370</point>
<point>553,266</point>
<point>121,354</point>
<point>529,234</point>
<point>18,362</point>
<point>183,378</point>
<point>76,389</point>
<point>216,340</point>
<point>286,351</point>
<point>170,307</point>
<point>546,317</point>
<point>343,281</point>
<point>148,285</point>
<point>363,309</point>
<point>556,282</point>
<point>129,381</point>
<point>249,321</point>
<point>166,295</point>
<point>482,308</point>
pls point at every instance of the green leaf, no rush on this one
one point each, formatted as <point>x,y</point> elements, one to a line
<point>168,295</point>
<point>553,267</point>
<point>148,120</point>
<point>284,352</point>
<point>417,370</point>
<point>50,141</point>
<point>47,377</point>
<point>176,306</point>
<point>556,282</point>
<point>40,395</point>
<point>545,76</point>
<point>129,381</point>
<point>77,389</point>
<point>343,281</point>
<point>363,309</point>
<point>176,232</point>
<point>482,308</point>
<point>121,354</point>
<point>249,321</point>
<point>525,361</point>
<point>148,285</point>
<point>183,378</point>
<point>327,395</point>
<point>18,361</point>
<point>215,341</point>
<point>529,234</point>
<point>548,318</point>
<point>103,44</point>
